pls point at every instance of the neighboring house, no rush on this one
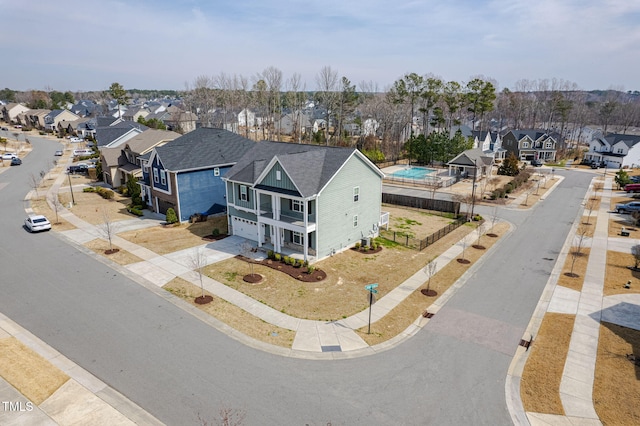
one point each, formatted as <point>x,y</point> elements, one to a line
<point>134,113</point>
<point>472,163</point>
<point>295,121</point>
<point>305,199</point>
<point>52,119</point>
<point>87,128</point>
<point>121,162</point>
<point>490,143</point>
<point>616,150</point>
<point>34,118</point>
<point>84,108</point>
<point>181,121</point>
<point>186,173</point>
<point>10,111</point>
<point>118,133</point>
<point>71,127</point>
<point>529,145</point>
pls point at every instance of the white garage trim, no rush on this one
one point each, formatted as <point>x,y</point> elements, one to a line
<point>244,228</point>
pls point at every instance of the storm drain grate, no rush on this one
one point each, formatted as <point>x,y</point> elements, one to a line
<point>332,348</point>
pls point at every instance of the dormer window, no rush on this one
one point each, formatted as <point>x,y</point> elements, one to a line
<point>525,144</point>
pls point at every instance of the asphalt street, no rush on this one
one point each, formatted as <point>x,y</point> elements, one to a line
<point>181,369</point>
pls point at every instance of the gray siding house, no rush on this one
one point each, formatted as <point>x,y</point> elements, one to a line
<point>307,200</point>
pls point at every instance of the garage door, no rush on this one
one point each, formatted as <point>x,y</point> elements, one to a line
<point>245,228</point>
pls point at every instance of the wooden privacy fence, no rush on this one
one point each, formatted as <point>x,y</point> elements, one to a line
<point>422,203</point>
<point>421,244</point>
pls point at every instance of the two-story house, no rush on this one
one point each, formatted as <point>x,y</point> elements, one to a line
<point>615,150</point>
<point>309,200</point>
<point>10,111</point>
<point>52,119</point>
<point>530,144</point>
<point>186,173</point>
<point>122,162</point>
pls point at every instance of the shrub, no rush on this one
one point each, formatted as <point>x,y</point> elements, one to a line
<point>136,211</point>
<point>477,218</point>
<point>508,188</point>
<point>171,216</point>
<point>271,254</point>
<point>297,263</point>
<point>216,232</point>
<point>277,257</point>
<point>357,246</point>
<point>89,189</point>
<point>310,269</point>
<point>107,194</point>
<point>285,259</point>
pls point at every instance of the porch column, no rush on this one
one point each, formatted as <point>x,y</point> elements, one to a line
<point>305,248</point>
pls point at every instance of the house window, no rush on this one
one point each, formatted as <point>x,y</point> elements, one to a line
<point>620,151</point>
<point>525,144</point>
<point>356,193</point>
<point>296,205</point>
<point>163,177</point>
<point>296,237</point>
<point>155,176</point>
<point>216,171</point>
<point>244,193</point>
<point>355,221</point>
<point>278,175</point>
<point>549,145</point>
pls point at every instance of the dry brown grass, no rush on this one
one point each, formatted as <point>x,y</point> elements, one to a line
<point>619,221</point>
<point>121,257</point>
<point>617,274</point>
<point>342,293</point>
<point>616,390</point>
<point>540,384</point>
<point>32,375</point>
<point>579,269</point>
<point>232,315</point>
<point>91,207</point>
<point>415,222</point>
<point>403,315</point>
<point>164,240</point>
<point>40,206</point>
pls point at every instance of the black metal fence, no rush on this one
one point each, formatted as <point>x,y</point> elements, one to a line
<point>422,203</point>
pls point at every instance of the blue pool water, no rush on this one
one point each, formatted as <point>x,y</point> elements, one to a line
<point>413,173</point>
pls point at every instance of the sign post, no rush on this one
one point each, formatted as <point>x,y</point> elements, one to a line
<point>371,288</point>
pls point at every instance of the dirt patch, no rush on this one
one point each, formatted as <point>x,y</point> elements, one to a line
<point>231,315</point>
<point>120,256</point>
<point>32,375</point>
<point>540,384</point>
<point>164,240</point>
<point>616,389</point>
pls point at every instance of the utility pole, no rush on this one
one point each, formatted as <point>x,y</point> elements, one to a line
<point>473,190</point>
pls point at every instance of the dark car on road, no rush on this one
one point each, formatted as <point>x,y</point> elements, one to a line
<point>80,168</point>
<point>15,161</point>
<point>536,163</point>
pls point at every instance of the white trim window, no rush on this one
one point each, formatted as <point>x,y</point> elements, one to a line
<point>296,206</point>
<point>549,145</point>
<point>355,221</point>
<point>244,193</point>
<point>356,194</point>
<point>296,237</point>
<point>163,177</point>
<point>525,144</point>
<point>156,179</point>
<point>216,171</point>
<point>278,175</point>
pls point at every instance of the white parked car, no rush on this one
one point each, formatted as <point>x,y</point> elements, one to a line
<point>37,222</point>
<point>9,155</point>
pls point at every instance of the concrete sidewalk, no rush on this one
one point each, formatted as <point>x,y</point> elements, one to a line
<point>590,307</point>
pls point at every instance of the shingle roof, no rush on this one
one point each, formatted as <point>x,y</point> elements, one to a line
<point>202,148</point>
<point>150,138</point>
<point>310,167</point>
<point>108,134</point>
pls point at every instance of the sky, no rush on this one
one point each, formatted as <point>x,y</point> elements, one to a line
<point>85,45</point>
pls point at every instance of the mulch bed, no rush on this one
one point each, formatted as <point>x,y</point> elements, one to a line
<point>212,237</point>
<point>370,251</point>
<point>299,274</point>
<point>463,261</point>
<point>111,251</point>
<point>492,235</point>
<point>203,300</point>
<point>479,247</point>
<point>252,278</point>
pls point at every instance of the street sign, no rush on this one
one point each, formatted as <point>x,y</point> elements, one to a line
<point>370,287</point>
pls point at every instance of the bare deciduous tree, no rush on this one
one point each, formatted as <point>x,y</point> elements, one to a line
<point>576,250</point>
<point>430,270</point>
<point>198,261</point>
<point>108,228</point>
<point>55,204</point>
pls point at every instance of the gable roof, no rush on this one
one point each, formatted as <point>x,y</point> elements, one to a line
<point>469,158</point>
<point>202,148</point>
<point>108,134</point>
<point>310,167</point>
<point>629,140</point>
<point>150,138</point>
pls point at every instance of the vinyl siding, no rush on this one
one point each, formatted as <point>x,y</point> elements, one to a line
<point>271,179</point>
<point>336,207</point>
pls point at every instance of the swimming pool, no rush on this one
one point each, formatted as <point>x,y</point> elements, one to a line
<point>413,173</point>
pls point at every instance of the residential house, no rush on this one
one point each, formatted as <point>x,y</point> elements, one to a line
<point>617,151</point>
<point>52,119</point>
<point>11,110</point>
<point>122,162</point>
<point>181,121</point>
<point>34,118</point>
<point>134,113</point>
<point>531,144</point>
<point>72,127</point>
<point>490,143</point>
<point>473,163</point>
<point>84,108</point>
<point>186,173</point>
<point>310,200</point>
<point>118,133</point>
